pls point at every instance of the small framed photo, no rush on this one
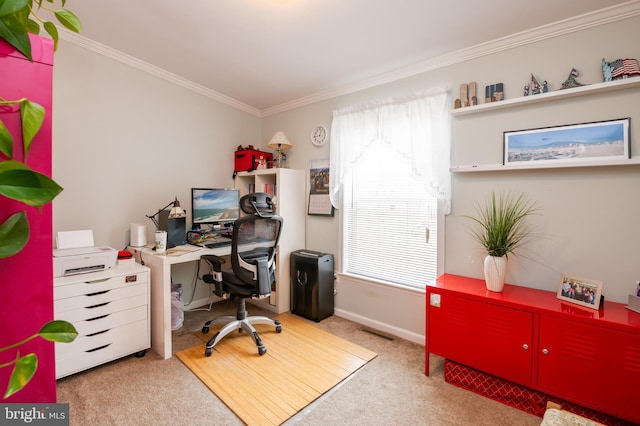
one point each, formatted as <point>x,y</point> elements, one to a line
<point>581,291</point>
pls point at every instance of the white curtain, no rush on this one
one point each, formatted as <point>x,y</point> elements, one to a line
<point>417,127</point>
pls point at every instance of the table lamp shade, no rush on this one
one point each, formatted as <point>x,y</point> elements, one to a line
<point>279,141</point>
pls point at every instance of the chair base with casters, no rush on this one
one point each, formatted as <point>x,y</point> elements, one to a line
<point>241,322</point>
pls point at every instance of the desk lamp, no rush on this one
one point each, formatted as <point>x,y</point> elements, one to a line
<point>280,142</point>
<point>175,213</point>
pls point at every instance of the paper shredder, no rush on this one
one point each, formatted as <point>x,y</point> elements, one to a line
<point>312,290</point>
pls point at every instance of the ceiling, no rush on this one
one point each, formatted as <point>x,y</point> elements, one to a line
<point>267,53</point>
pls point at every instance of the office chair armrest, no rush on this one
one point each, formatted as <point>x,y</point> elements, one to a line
<point>215,261</point>
<point>264,276</point>
<point>215,278</point>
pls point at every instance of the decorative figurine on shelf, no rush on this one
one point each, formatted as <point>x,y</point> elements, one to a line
<point>467,95</point>
<point>571,81</point>
<point>473,98</point>
<point>607,70</point>
<point>494,93</point>
<point>619,69</point>
<point>545,86</point>
<point>535,87</point>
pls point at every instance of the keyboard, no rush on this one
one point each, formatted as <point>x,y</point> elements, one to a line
<point>219,243</point>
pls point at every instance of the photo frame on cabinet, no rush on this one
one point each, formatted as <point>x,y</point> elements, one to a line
<point>581,291</point>
<point>595,142</point>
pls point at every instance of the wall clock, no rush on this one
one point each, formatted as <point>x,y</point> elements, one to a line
<point>319,135</point>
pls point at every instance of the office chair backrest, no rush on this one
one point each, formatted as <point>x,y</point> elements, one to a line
<point>254,243</point>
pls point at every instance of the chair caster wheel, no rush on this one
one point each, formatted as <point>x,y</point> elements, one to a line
<point>278,329</point>
<point>205,330</point>
<point>208,351</point>
<point>262,350</point>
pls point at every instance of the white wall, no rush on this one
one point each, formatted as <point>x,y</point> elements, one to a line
<point>589,219</point>
<point>125,143</point>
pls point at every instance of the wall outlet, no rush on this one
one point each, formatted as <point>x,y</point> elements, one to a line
<point>434,300</point>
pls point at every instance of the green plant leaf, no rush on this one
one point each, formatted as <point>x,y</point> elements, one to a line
<point>12,165</point>
<point>14,234</point>
<point>69,20</point>
<point>29,187</point>
<point>32,115</point>
<point>32,27</point>
<point>14,33</point>
<point>9,7</point>
<point>6,141</point>
<point>22,373</point>
<point>52,30</point>
<point>58,331</point>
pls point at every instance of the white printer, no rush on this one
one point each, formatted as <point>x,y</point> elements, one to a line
<point>76,254</point>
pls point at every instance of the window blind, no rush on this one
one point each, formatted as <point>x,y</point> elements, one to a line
<point>387,216</point>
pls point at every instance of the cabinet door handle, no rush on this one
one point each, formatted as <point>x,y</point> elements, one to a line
<point>525,346</point>
<point>545,351</point>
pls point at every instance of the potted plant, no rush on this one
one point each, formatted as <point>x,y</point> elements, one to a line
<point>18,182</point>
<point>501,228</point>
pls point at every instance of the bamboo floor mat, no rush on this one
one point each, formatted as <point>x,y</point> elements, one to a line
<point>302,363</point>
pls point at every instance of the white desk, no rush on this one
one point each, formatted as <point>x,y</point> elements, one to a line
<point>160,265</point>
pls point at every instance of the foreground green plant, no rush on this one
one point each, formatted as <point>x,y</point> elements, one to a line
<point>501,226</point>
<point>24,367</point>
<point>18,18</point>
<point>17,181</point>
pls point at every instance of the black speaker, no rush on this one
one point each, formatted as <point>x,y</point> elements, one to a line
<point>176,229</point>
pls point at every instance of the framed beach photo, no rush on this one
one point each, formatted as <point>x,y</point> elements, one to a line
<point>595,142</point>
<point>581,291</point>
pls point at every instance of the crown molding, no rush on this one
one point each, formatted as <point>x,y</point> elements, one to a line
<point>153,70</point>
<point>578,23</point>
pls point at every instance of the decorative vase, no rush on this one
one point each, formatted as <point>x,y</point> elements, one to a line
<point>495,272</point>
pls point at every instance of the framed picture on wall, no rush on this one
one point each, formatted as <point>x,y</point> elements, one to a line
<point>581,291</point>
<point>595,142</point>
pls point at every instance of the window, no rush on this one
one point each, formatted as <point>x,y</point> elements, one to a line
<point>389,176</point>
<point>387,218</point>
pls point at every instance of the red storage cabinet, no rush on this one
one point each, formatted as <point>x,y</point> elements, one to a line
<point>530,337</point>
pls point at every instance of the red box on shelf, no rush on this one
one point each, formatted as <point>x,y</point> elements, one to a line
<point>252,159</point>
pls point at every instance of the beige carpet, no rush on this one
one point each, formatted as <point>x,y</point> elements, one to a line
<point>302,363</point>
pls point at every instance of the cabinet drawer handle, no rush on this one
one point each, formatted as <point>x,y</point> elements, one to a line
<point>97,306</point>
<point>98,332</point>
<point>97,281</point>
<point>545,351</point>
<point>525,346</point>
<point>98,348</point>
<point>97,318</point>
<point>98,293</point>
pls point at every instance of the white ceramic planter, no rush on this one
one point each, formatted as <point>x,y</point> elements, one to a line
<point>495,272</point>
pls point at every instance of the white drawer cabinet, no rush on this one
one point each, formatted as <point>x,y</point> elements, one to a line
<point>110,310</point>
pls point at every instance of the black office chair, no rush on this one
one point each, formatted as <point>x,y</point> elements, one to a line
<point>253,248</point>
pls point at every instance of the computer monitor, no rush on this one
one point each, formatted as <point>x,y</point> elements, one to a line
<point>214,206</point>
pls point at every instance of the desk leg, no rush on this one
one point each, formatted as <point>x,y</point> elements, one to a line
<point>161,309</point>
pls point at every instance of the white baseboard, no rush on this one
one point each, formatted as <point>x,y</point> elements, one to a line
<point>404,334</point>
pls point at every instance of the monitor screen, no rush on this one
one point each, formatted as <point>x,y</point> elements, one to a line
<point>214,206</point>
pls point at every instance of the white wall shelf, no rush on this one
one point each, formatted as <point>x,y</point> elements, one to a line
<point>549,96</point>
<point>533,165</point>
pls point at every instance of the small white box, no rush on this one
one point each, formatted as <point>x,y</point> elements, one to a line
<point>138,235</point>
<point>634,303</point>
